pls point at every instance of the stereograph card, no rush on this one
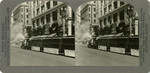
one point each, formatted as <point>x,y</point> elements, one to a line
<point>74,36</point>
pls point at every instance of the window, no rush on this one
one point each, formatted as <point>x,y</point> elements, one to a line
<point>15,19</point>
<point>34,4</point>
<point>95,15</point>
<point>37,22</point>
<point>27,10</point>
<point>47,18</point>
<point>89,15</point>
<point>27,21</point>
<point>55,15</point>
<point>94,21</point>
<point>101,13</point>
<point>37,2</point>
<point>109,20</point>
<point>104,2</point>
<point>105,21</point>
<point>42,20</point>
<point>115,17</point>
<point>34,13</point>
<point>115,4</point>
<point>122,15</point>
<point>94,9</point>
<point>27,16</point>
<point>105,10</point>
<point>37,11</point>
<point>100,23</point>
<point>89,9</point>
<point>27,2</point>
<point>121,3</point>
<point>33,23</point>
<point>42,8</point>
<point>54,3</point>
<point>48,5</point>
<point>109,8</point>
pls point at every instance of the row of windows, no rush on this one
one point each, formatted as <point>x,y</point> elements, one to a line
<point>115,4</point>
<point>43,7</point>
<point>115,18</point>
<point>54,18</point>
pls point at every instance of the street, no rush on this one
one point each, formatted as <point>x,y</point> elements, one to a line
<point>22,57</point>
<point>84,57</point>
<point>92,57</point>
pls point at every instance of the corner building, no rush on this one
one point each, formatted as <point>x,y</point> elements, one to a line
<point>47,12</point>
<point>112,13</point>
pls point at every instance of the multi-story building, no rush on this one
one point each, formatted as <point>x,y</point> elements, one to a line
<point>88,12</point>
<point>46,12</point>
<point>20,14</point>
<point>77,17</point>
<point>113,13</point>
<point>20,18</point>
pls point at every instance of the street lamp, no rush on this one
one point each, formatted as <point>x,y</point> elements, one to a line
<point>131,14</point>
<point>63,14</point>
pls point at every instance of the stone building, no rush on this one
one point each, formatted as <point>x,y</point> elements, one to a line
<point>113,13</point>
<point>19,18</point>
<point>44,13</point>
<point>88,12</point>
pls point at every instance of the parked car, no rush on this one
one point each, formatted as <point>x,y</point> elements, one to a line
<point>92,43</point>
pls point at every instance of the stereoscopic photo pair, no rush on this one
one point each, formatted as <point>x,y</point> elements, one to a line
<point>98,33</point>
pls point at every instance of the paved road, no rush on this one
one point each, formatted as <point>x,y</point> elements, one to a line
<point>84,57</point>
<point>22,57</point>
<point>92,57</point>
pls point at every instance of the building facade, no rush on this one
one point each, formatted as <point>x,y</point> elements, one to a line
<point>20,14</point>
<point>89,12</point>
<point>45,13</point>
<point>115,14</point>
<point>19,19</point>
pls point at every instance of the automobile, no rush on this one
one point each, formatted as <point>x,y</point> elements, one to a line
<point>92,43</point>
<point>25,44</point>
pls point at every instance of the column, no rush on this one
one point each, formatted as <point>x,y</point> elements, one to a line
<point>51,4</point>
<point>112,18</point>
<point>45,19</point>
<point>136,27</point>
<point>58,14</point>
<point>118,18</point>
<point>45,8</point>
<point>51,20</point>
<point>40,7</point>
<point>40,23</point>
<point>107,20</point>
<point>126,16</point>
<point>69,21</point>
<point>118,4</point>
<point>35,23</point>
<point>102,22</point>
<point>112,5</point>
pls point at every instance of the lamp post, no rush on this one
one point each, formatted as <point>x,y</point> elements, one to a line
<point>130,12</point>
<point>63,14</point>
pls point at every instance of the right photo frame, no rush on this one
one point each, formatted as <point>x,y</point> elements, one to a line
<point>107,34</point>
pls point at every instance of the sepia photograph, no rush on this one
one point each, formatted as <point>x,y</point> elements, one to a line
<point>42,34</point>
<point>106,34</point>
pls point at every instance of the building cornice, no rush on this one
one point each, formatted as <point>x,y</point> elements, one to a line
<point>114,11</point>
<point>86,7</point>
<point>49,11</point>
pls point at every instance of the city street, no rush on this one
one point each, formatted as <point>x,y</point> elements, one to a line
<point>93,57</point>
<point>22,57</point>
<point>84,57</point>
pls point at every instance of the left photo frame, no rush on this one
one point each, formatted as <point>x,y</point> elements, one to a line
<point>42,34</point>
